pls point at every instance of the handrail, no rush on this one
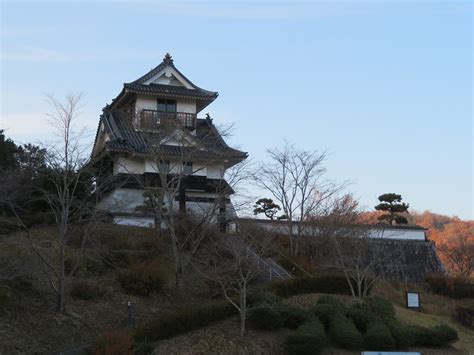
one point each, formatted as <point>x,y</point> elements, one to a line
<point>152,119</point>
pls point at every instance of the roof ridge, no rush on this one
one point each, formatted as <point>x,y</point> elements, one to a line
<point>167,61</point>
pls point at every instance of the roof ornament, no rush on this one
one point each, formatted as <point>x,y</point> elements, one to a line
<point>208,118</point>
<point>168,59</point>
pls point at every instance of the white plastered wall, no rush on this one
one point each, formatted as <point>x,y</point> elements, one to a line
<point>149,102</point>
<point>123,165</point>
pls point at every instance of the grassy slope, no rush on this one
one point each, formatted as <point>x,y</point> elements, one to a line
<point>31,324</point>
<point>223,337</point>
<point>466,336</point>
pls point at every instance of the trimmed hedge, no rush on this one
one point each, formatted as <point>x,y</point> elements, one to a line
<point>379,337</point>
<point>439,336</point>
<point>293,317</point>
<point>379,307</point>
<point>344,333</point>
<point>454,287</point>
<point>360,317</point>
<point>266,318</point>
<point>402,334</point>
<point>310,338</point>
<point>327,308</point>
<point>328,283</point>
<point>184,320</point>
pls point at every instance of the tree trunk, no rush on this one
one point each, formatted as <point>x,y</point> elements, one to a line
<point>179,283</point>
<point>243,309</point>
<point>60,305</point>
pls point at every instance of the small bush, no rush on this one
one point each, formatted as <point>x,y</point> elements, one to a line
<point>327,299</point>
<point>115,342</point>
<point>445,335</point>
<point>328,283</point>
<point>265,318</point>
<point>293,317</point>
<point>403,335</point>
<point>379,307</point>
<point>186,319</point>
<point>379,337</point>
<point>344,332</point>
<point>454,287</point>
<point>360,317</point>
<point>327,308</point>
<point>310,338</point>
<point>86,290</point>
<point>439,336</point>
<point>143,280</point>
<point>464,314</point>
<point>262,297</point>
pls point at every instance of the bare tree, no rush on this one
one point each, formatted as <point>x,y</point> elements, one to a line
<point>358,250</point>
<point>233,262</point>
<point>297,180</point>
<point>173,159</point>
<point>67,191</point>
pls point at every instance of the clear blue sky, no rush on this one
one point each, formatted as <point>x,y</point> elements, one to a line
<point>386,86</point>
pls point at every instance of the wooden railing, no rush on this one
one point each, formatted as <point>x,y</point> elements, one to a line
<point>153,119</point>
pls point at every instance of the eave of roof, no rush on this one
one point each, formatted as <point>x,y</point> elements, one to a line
<point>125,139</point>
<point>170,90</point>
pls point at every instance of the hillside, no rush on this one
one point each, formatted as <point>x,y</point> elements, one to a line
<point>31,325</point>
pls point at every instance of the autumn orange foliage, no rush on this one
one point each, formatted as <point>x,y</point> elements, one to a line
<point>453,237</point>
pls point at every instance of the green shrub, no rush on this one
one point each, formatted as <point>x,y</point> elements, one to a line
<point>439,336</point>
<point>464,314</point>
<point>266,318</point>
<point>379,307</point>
<point>327,308</point>
<point>186,319</point>
<point>262,297</point>
<point>445,335</point>
<point>404,336</point>
<point>344,333</point>
<point>310,338</point>
<point>86,290</point>
<point>378,337</point>
<point>328,283</point>
<point>360,317</point>
<point>293,317</point>
<point>142,280</point>
<point>327,299</point>
<point>454,287</point>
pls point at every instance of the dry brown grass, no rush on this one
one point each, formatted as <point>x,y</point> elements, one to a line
<point>29,324</point>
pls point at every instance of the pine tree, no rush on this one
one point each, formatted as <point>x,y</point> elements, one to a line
<point>267,207</point>
<point>393,205</point>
